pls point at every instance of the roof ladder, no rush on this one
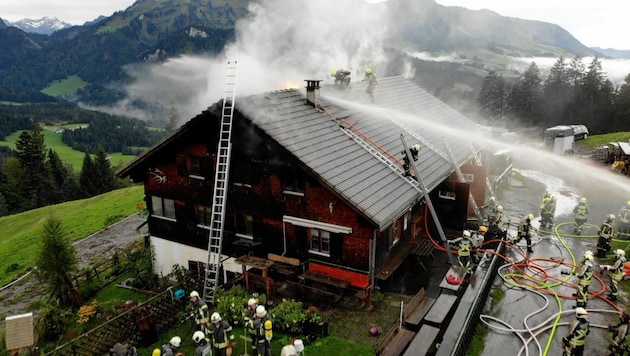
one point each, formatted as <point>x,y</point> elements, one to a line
<point>423,140</point>
<point>460,177</point>
<point>380,156</point>
<point>217,220</point>
<point>478,162</point>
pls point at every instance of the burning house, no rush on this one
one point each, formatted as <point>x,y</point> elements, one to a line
<point>314,178</point>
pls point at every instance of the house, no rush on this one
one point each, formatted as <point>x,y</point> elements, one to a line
<point>316,178</point>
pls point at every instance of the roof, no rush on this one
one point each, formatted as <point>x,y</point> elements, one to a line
<point>332,143</point>
<point>354,146</point>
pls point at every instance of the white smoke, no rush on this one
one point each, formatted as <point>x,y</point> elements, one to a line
<point>281,43</point>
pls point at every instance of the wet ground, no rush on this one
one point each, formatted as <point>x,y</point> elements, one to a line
<point>527,316</point>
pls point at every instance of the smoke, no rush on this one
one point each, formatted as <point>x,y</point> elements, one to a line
<point>614,69</point>
<point>281,43</point>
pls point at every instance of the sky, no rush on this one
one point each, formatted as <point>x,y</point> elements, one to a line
<point>600,23</point>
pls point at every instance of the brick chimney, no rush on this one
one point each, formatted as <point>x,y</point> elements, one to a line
<point>312,92</point>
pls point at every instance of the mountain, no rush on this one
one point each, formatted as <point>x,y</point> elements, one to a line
<point>45,26</point>
<point>613,53</point>
<point>153,31</point>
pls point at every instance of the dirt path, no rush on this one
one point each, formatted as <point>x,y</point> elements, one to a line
<point>14,298</point>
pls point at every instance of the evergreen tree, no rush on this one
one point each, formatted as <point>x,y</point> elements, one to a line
<point>89,180</point>
<point>594,99</point>
<point>104,172</point>
<point>492,97</point>
<point>58,173</point>
<point>557,93</point>
<point>622,107</point>
<point>525,97</point>
<point>56,261</point>
<point>30,150</point>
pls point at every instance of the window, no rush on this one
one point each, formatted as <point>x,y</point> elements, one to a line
<point>446,195</point>
<point>293,183</point>
<point>245,226</point>
<point>394,234</point>
<point>163,207</point>
<point>204,215</point>
<point>194,167</point>
<point>468,177</point>
<point>320,242</point>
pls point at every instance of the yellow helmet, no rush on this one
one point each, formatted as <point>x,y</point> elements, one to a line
<point>156,352</point>
<point>333,73</point>
<point>483,229</point>
<point>628,203</point>
<point>368,70</point>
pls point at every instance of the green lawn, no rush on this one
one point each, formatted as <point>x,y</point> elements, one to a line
<point>80,218</point>
<point>65,152</point>
<point>596,140</point>
<point>65,87</point>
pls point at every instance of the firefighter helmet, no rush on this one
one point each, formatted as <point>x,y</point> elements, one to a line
<point>176,341</point>
<point>466,233</point>
<point>530,217</point>
<point>333,73</point>
<point>500,208</point>
<point>583,200</point>
<point>588,255</point>
<point>611,217</point>
<point>368,70</point>
<point>493,199</point>
<point>620,253</point>
<point>198,336</point>
<point>156,352</point>
<point>216,317</point>
<point>299,345</point>
<point>483,229</point>
<point>194,294</point>
<point>260,311</point>
<point>554,198</point>
<point>581,313</point>
<point>628,203</point>
<point>251,302</point>
<point>416,147</point>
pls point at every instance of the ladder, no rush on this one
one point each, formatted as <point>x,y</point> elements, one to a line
<point>215,240</point>
<point>478,162</point>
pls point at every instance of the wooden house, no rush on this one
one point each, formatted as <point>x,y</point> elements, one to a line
<point>313,177</point>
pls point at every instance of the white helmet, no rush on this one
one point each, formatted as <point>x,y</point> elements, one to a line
<point>530,217</point>
<point>588,255</point>
<point>581,312</point>
<point>215,317</point>
<point>492,198</point>
<point>261,312</point>
<point>583,200</point>
<point>299,345</point>
<point>611,217</point>
<point>554,198</point>
<point>198,336</point>
<point>500,208</point>
<point>620,253</point>
<point>194,294</point>
<point>466,233</point>
<point>251,302</point>
<point>176,341</point>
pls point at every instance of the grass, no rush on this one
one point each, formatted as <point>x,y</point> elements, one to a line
<point>596,140</point>
<point>65,87</point>
<point>67,154</point>
<point>80,218</point>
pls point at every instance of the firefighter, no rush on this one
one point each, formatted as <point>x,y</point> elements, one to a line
<point>372,80</point>
<point>264,332</point>
<point>581,215</point>
<point>250,315</point>
<point>477,242</point>
<point>548,213</point>
<point>624,221</point>
<point>573,343</point>
<point>221,335</point>
<point>618,344</point>
<point>491,210</point>
<point>464,247</point>
<point>525,230</point>
<point>605,235</point>
<point>584,275</point>
<point>342,78</point>
<point>546,198</point>
<point>615,272</point>
<point>171,348</point>
<point>414,150</point>
<point>203,346</point>
<point>200,311</point>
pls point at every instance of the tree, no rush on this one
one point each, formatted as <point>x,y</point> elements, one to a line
<point>30,150</point>
<point>557,93</point>
<point>492,96</point>
<point>525,97</point>
<point>104,173</point>
<point>59,173</point>
<point>56,261</point>
<point>622,107</point>
<point>88,180</point>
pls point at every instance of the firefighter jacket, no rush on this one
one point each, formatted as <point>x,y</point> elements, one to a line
<point>550,208</point>
<point>616,270</point>
<point>524,228</point>
<point>619,333</point>
<point>585,273</point>
<point>581,211</point>
<point>203,349</point>
<point>221,334</point>
<point>546,199</point>
<point>577,333</point>
<point>606,230</point>
<point>201,313</point>
<point>465,245</point>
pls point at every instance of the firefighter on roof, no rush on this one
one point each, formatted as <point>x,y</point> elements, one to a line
<point>414,150</point>
<point>372,80</point>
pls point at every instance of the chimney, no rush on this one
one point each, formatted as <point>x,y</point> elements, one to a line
<point>312,92</point>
